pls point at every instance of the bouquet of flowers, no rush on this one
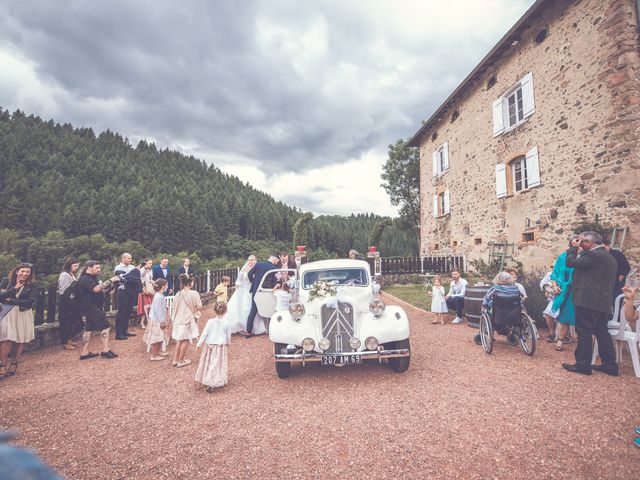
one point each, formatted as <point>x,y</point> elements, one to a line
<point>322,290</point>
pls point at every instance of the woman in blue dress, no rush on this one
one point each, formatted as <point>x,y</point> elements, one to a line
<point>561,281</point>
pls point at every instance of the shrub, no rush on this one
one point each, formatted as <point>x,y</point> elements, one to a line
<point>536,300</point>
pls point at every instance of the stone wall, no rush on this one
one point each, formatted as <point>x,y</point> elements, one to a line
<point>586,126</point>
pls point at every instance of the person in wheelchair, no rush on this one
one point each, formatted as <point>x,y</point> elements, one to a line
<point>503,301</point>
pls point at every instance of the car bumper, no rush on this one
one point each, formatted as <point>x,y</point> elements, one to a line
<point>305,357</point>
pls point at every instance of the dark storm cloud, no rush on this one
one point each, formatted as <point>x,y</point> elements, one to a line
<point>285,84</point>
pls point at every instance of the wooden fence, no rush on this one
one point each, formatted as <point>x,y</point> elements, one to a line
<point>422,265</point>
<point>46,304</point>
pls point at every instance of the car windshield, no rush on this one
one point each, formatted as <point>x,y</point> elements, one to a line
<point>337,276</point>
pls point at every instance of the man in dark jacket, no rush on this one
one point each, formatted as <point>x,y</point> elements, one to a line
<point>623,268</point>
<point>593,280</point>
<point>255,275</point>
<point>130,287</point>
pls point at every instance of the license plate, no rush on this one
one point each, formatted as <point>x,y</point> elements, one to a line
<point>340,359</point>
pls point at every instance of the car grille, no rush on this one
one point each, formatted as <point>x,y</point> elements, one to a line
<point>337,326</point>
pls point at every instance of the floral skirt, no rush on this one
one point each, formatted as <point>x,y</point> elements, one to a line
<point>213,370</point>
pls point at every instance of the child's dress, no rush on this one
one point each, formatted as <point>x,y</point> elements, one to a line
<point>153,333</point>
<point>213,369</point>
<point>438,303</point>
<point>186,306</point>
<point>550,296</point>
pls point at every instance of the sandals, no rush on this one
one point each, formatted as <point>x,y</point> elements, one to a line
<point>551,338</point>
<point>183,364</point>
<point>435,322</point>
<point>11,372</point>
<point>567,340</point>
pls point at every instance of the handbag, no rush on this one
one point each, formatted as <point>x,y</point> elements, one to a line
<point>148,288</point>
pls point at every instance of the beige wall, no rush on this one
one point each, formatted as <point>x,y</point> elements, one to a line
<point>586,127</point>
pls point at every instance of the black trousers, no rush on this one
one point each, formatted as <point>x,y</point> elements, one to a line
<point>70,321</point>
<point>125,306</point>
<point>589,323</point>
<point>456,303</point>
<point>252,314</point>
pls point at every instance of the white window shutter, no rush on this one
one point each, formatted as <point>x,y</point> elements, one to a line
<point>528,104</point>
<point>447,205</point>
<point>533,168</point>
<point>445,153</point>
<point>501,180</point>
<point>435,163</point>
<point>435,205</point>
<point>498,117</point>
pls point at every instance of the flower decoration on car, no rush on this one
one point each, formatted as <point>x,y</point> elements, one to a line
<point>322,290</point>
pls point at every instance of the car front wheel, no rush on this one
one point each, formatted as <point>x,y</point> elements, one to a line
<point>283,369</point>
<point>400,364</point>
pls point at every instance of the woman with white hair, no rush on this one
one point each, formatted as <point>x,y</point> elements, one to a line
<point>503,284</point>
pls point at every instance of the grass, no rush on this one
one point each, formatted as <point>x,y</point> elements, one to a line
<point>417,295</point>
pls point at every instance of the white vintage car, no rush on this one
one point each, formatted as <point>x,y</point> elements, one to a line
<point>335,318</point>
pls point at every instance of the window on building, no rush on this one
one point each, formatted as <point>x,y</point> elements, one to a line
<point>518,175</point>
<point>477,241</point>
<point>528,237</point>
<point>514,107</point>
<point>441,203</point>
<point>441,159</point>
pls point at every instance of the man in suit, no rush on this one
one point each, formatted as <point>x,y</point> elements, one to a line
<point>594,276</point>
<point>162,270</point>
<point>186,268</point>
<point>255,276</point>
<point>130,287</point>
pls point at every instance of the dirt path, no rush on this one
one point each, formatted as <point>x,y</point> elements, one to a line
<point>457,413</point>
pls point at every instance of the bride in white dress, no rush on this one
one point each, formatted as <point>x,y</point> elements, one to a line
<point>239,305</point>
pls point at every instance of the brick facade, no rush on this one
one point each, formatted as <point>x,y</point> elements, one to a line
<point>586,125</point>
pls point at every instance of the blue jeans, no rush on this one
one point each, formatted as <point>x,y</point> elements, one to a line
<point>456,303</point>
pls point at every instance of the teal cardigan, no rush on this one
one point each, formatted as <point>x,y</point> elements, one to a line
<point>563,275</point>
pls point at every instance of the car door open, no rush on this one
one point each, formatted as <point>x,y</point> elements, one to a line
<point>264,297</point>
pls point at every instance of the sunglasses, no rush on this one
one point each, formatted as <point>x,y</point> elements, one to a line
<point>25,265</point>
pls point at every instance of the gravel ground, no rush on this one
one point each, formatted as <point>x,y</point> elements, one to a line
<point>457,413</point>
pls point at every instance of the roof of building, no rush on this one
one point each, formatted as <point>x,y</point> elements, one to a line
<point>505,43</point>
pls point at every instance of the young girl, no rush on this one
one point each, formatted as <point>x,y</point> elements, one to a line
<point>213,369</point>
<point>438,303</point>
<point>155,334</point>
<point>283,296</point>
<point>186,312</point>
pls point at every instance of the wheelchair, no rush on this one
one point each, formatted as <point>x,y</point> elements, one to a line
<point>508,317</point>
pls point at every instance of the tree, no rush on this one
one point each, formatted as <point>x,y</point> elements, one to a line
<point>301,229</point>
<point>401,180</point>
<point>378,230</point>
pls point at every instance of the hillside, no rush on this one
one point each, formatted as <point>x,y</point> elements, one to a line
<point>60,178</point>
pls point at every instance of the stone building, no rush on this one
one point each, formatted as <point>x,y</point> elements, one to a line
<point>540,137</point>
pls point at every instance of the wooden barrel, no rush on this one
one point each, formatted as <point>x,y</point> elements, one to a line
<point>473,303</point>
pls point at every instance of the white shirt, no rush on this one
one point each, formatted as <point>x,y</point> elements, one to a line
<point>123,268</point>
<point>458,289</point>
<point>283,300</point>
<point>217,331</point>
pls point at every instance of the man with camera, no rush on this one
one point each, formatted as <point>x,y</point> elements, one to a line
<point>593,279</point>
<point>128,290</point>
<point>91,294</point>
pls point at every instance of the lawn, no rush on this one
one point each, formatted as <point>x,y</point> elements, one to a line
<point>417,295</point>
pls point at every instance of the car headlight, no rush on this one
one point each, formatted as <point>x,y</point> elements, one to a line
<point>371,343</point>
<point>324,344</point>
<point>296,310</point>
<point>376,307</point>
<point>308,344</point>
<point>355,343</point>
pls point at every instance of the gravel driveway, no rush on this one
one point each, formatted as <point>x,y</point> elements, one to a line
<point>457,413</point>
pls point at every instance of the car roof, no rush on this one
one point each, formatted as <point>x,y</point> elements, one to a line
<point>336,263</point>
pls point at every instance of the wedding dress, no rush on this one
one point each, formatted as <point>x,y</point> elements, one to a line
<point>239,306</point>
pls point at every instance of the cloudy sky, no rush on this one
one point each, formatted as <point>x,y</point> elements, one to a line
<point>277,92</point>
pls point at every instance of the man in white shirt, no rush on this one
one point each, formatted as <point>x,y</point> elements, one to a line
<point>455,297</point>
<point>127,295</point>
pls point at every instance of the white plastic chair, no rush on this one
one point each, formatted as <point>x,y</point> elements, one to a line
<point>621,333</point>
<point>169,301</point>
